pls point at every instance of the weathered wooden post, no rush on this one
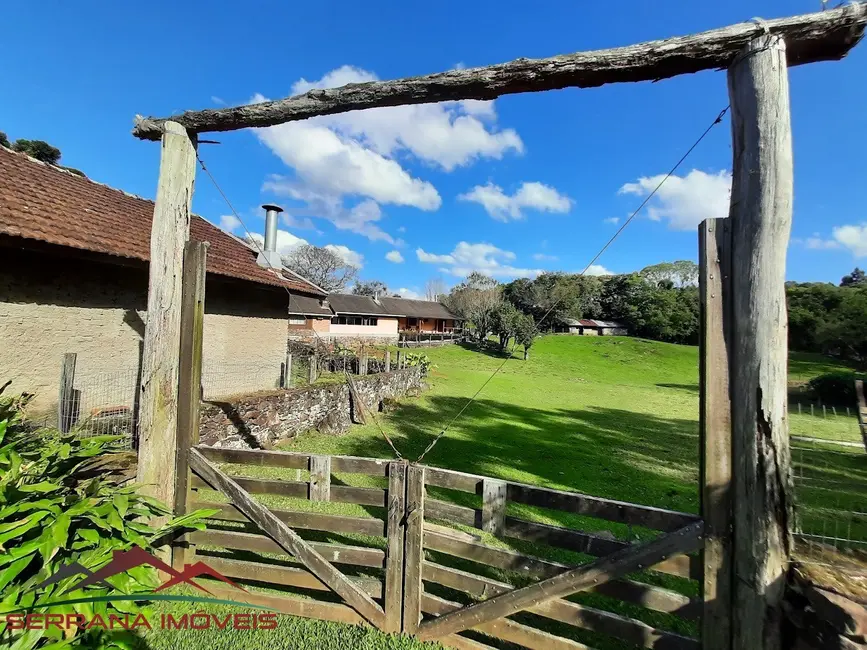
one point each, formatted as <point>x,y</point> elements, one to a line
<point>714,254</point>
<point>311,369</point>
<point>66,394</point>
<point>159,387</point>
<point>393,600</point>
<point>287,370</point>
<point>761,217</point>
<point>388,361</point>
<point>414,549</point>
<point>189,383</point>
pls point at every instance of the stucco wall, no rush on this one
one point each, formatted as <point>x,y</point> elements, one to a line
<point>385,327</point>
<point>49,306</point>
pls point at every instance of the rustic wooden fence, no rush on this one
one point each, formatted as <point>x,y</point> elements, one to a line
<point>413,564</point>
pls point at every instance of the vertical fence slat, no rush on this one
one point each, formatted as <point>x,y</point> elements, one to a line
<point>494,506</point>
<point>387,360</point>
<point>394,551</point>
<point>414,551</point>
<point>320,478</point>
<point>189,383</point>
<point>287,371</point>
<point>714,238</point>
<point>66,394</point>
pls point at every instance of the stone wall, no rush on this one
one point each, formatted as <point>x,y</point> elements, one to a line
<point>259,421</point>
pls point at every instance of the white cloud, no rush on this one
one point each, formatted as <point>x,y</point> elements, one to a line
<point>852,237</point>
<point>394,256</point>
<point>337,158</point>
<point>218,100</point>
<point>486,258</point>
<point>612,220</point>
<point>296,221</point>
<point>597,269</point>
<point>286,241</point>
<point>409,294</point>
<point>685,201</point>
<point>229,222</point>
<point>544,257</point>
<point>401,229</point>
<point>348,255</point>
<point>532,196</point>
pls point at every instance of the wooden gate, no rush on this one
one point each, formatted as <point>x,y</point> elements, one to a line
<point>423,534</point>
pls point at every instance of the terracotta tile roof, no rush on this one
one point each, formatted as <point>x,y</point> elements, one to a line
<point>41,202</point>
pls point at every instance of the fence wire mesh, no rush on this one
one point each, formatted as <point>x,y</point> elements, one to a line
<point>829,467</point>
<point>100,403</point>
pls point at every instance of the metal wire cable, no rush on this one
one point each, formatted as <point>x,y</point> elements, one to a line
<point>439,436</point>
<point>289,293</point>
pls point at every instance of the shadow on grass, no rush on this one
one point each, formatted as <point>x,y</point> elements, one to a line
<point>605,452</point>
<point>692,388</point>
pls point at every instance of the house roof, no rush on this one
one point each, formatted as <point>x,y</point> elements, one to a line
<point>44,203</point>
<point>308,306</point>
<point>342,303</point>
<point>417,308</point>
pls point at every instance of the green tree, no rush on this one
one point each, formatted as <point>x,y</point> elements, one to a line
<point>38,149</point>
<point>504,322</point>
<point>855,277</point>
<point>4,141</point>
<point>474,300</point>
<point>526,332</point>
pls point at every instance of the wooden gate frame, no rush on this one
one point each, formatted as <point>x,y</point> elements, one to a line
<point>753,509</point>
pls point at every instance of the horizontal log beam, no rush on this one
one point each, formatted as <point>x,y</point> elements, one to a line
<point>821,36</point>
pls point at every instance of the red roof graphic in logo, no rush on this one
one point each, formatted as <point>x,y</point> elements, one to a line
<point>122,561</point>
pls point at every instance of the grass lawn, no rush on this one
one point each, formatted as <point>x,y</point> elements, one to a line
<point>614,417</point>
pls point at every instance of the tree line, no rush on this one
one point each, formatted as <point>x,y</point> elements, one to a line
<point>660,302</point>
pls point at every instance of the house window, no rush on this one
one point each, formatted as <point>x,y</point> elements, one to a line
<point>412,322</point>
<point>367,321</point>
<point>297,320</point>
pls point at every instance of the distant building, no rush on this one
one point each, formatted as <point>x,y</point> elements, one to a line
<point>589,327</point>
<point>343,316</point>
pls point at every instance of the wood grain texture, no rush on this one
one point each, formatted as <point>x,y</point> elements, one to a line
<point>259,543</point>
<point>761,218</point>
<point>189,385</point>
<point>494,506</point>
<point>275,574</point>
<point>413,550</point>
<point>565,611</point>
<point>289,540</point>
<point>714,252</point>
<point>66,393</point>
<point>302,520</point>
<point>320,478</point>
<point>819,36</point>
<point>579,578</point>
<point>158,411</point>
<point>504,628</point>
<point>394,550</point>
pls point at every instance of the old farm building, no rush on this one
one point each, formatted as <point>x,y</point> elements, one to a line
<point>74,277</point>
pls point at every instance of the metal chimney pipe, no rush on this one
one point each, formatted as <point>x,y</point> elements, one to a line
<point>270,258</point>
<point>271,212</point>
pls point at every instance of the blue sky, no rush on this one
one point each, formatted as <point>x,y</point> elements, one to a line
<point>526,183</point>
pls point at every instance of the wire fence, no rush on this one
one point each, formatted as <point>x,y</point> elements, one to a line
<point>829,465</point>
<point>100,403</point>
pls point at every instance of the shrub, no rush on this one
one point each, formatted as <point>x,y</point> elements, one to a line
<point>57,508</point>
<point>414,359</point>
<point>835,388</point>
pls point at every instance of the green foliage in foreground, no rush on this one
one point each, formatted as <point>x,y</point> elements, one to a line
<point>57,509</point>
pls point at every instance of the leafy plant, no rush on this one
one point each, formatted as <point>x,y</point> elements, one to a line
<point>59,507</point>
<point>415,359</point>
